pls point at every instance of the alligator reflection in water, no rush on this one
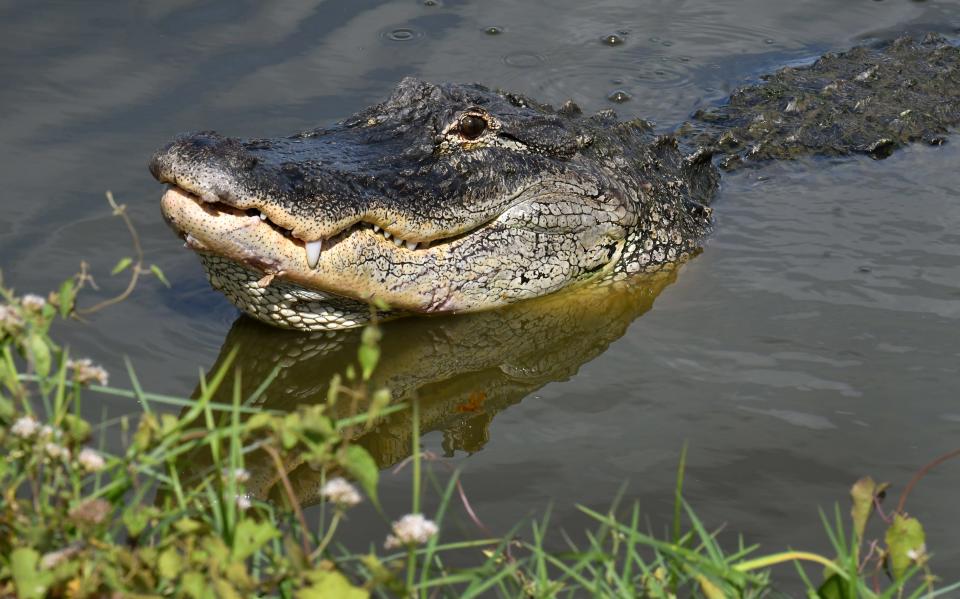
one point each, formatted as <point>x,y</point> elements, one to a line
<point>464,369</point>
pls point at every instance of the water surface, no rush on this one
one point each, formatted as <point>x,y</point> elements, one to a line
<point>814,341</point>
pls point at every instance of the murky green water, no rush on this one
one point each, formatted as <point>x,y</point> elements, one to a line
<point>814,341</point>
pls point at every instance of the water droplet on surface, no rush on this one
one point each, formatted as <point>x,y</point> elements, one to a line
<point>523,60</point>
<point>403,34</point>
<point>655,40</point>
<point>613,40</point>
<point>619,96</point>
<point>769,41</point>
<point>666,43</point>
<point>493,30</point>
<point>617,81</point>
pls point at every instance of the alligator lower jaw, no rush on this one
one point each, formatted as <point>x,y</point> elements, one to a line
<point>358,265</point>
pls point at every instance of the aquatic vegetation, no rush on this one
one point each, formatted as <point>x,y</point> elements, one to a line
<point>81,519</point>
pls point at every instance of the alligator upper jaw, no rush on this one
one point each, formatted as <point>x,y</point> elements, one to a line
<point>357,263</point>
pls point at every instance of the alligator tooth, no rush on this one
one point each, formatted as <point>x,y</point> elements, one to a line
<point>411,245</point>
<point>376,228</point>
<point>313,252</point>
<point>397,241</point>
<point>263,216</point>
<point>387,235</point>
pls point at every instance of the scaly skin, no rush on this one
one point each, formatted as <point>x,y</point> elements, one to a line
<point>487,198</point>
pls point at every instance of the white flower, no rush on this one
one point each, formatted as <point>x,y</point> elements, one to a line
<point>85,371</point>
<point>47,431</point>
<point>917,554</point>
<point>240,475</point>
<point>33,302</point>
<point>57,451</point>
<point>340,492</point>
<point>412,529</point>
<point>53,559</point>
<point>244,502</point>
<point>91,460</point>
<point>25,426</point>
<point>9,318</point>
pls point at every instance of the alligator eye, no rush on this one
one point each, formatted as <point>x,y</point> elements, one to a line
<point>471,127</point>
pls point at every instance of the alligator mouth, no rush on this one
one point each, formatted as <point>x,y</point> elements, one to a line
<point>312,249</point>
<point>350,263</point>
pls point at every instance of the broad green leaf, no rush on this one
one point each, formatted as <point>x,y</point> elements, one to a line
<point>31,582</point>
<point>146,431</point>
<point>225,590</point>
<point>169,564</point>
<point>168,424</point>
<point>250,536</point>
<point>39,353</point>
<point>362,467</point>
<point>833,588</point>
<point>122,265</point>
<point>187,526</point>
<point>76,428</point>
<point>905,544</point>
<point>328,584</point>
<point>195,585</point>
<point>135,518</point>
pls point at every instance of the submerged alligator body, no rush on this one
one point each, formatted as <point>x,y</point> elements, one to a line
<point>449,198</point>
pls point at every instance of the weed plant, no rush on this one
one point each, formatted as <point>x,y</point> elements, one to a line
<point>79,521</point>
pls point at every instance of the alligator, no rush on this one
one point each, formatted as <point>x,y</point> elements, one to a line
<point>458,198</point>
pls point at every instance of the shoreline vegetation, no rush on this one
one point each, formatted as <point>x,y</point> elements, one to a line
<point>79,521</point>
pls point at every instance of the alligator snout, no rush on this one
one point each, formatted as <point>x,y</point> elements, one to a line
<point>206,164</point>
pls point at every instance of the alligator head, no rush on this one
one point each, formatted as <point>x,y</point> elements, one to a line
<point>443,198</point>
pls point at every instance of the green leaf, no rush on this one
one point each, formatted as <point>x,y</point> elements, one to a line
<point>225,590</point>
<point>250,536</point>
<point>378,401</point>
<point>159,274</point>
<point>30,581</point>
<point>122,265</point>
<point>168,424</point>
<point>195,585</point>
<point>862,494</point>
<point>146,432</point>
<point>258,421</point>
<point>362,467</point>
<point>39,353</point>
<point>187,526</point>
<point>833,588</point>
<point>66,297</point>
<point>905,544</point>
<point>169,564</point>
<point>77,428</point>
<point>328,584</point>
<point>368,356</point>
<point>709,588</point>
<point>136,518</point>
